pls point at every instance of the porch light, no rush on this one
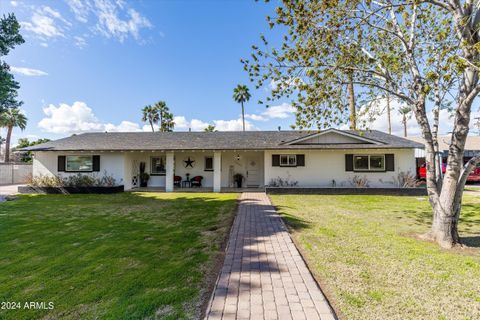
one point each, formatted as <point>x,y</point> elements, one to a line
<point>238,157</point>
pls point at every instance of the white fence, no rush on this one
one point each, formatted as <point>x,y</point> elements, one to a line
<point>14,173</point>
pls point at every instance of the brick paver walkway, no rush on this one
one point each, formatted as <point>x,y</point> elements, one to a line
<point>264,276</point>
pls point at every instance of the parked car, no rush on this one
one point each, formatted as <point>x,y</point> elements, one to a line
<point>473,177</point>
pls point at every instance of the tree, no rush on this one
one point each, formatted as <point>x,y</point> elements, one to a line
<point>210,128</point>
<point>23,143</point>
<point>165,117</point>
<point>391,48</point>
<point>405,112</point>
<point>151,115</point>
<point>11,118</point>
<point>10,37</point>
<point>241,95</point>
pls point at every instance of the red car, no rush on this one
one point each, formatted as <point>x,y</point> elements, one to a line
<point>473,177</point>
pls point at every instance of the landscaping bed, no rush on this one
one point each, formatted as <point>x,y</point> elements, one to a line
<point>367,256</point>
<point>121,256</point>
<point>348,191</point>
<point>69,190</point>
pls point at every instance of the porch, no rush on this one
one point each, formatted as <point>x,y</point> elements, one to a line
<point>194,171</point>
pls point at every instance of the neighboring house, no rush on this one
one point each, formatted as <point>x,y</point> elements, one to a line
<point>313,159</point>
<point>472,148</point>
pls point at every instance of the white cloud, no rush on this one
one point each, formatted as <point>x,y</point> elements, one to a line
<point>28,71</point>
<point>45,23</point>
<point>282,111</point>
<point>114,18</point>
<point>110,23</point>
<point>233,125</point>
<point>196,125</point>
<point>124,126</point>
<point>14,3</point>
<point>44,44</point>
<point>279,112</point>
<point>80,42</point>
<point>80,9</point>
<point>78,118</point>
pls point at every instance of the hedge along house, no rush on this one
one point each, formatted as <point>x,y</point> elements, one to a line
<point>311,159</point>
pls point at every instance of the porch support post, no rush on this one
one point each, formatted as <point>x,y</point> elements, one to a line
<point>169,174</point>
<point>217,171</point>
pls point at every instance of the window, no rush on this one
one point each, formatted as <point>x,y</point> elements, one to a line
<point>79,163</point>
<point>288,160</point>
<point>369,163</point>
<point>208,164</point>
<point>158,166</point>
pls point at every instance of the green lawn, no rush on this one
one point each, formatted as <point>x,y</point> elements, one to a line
<point>364,252</point>
<point>123,256</point>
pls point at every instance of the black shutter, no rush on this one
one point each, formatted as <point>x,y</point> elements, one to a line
<point>349,162</point>
<point>275,160</point>
<point>96,163</point>
<point>390,162</point>
<point>61,163</point>
<point>300,160</point>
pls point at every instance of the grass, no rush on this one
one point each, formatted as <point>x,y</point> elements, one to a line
<point>123,256</point>
<point>365,254</point>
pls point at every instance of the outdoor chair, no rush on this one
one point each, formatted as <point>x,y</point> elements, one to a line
<point>196,181</point>
<point>177,181</point>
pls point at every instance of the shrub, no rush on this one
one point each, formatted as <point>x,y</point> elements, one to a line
<point>77,180</point>
<point>45,181</point>
<point>359,182</point>
<point>282,182</point>
<point>405,180</point>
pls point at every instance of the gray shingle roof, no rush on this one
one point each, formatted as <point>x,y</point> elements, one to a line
<point>250,140</point>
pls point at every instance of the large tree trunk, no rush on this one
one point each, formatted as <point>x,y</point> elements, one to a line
<point>404,121</point>
<point>448,205</point>
<point>351,103</point>
<point>7,144</point>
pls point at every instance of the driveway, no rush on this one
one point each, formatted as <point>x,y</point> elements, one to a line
<point>9,189</point>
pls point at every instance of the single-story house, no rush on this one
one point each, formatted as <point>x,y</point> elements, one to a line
<point>311,159</point>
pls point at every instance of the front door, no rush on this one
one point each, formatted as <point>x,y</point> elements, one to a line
<point>253,173</point>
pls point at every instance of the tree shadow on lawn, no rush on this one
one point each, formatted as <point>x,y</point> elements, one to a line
<point>112,255</point>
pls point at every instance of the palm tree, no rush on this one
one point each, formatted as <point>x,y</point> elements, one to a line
<point>166,117</point>
<point>151,115</point>
<point>210,128</point>
<point>9,119</point>
<point>404,111</point>
<point>167,123</point>
<point>241,95</point>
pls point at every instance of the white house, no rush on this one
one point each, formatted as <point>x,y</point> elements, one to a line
<point>312,159</point>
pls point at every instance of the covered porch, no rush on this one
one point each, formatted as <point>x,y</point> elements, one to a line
<point>194,170</point>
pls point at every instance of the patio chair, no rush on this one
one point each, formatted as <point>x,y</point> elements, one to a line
<point>177,181</point>
<point>196,181</point>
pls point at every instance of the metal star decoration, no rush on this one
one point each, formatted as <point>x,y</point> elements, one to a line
<point>189,163</point>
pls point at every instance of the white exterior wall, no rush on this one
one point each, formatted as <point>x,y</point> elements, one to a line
<point>323,166</point>
<point>45,163</point>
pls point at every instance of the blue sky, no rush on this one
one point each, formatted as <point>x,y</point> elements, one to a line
<point>92,65</point>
